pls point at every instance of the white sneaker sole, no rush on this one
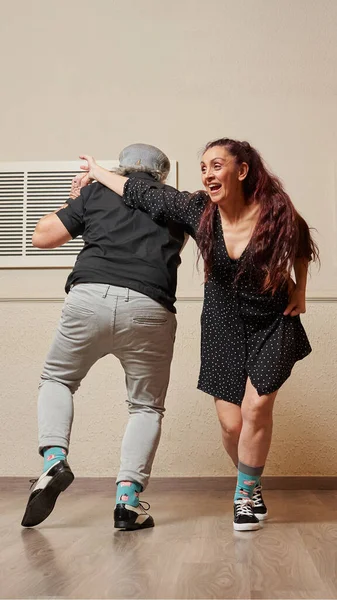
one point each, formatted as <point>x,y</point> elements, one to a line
<point>261,516</point>
<point>246,526</point>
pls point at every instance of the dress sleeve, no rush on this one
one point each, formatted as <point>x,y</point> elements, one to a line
<point>164,203</point>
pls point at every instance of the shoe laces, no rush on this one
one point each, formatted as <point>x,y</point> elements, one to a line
<point>147,507</point>
<point>257,495</point>
<point>244,507</point>
<point>32,482</point>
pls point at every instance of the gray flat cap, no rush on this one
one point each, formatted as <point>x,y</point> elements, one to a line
<point>143,157</point>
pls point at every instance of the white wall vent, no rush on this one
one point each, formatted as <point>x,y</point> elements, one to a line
<point>29,190</point>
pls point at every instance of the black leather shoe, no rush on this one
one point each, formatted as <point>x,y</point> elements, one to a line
<point>45,493</point>
<point>130,518</point>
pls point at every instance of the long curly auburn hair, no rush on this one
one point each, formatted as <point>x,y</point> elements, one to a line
<point>280,236</point>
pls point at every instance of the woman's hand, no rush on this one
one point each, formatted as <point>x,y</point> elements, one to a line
<point>90,168</point>
<point>94,172</point>
<point>296,303</point>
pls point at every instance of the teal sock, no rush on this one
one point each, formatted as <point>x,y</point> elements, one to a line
<point>258,483</point>
<point>128,493</point>
<point>53,455</point>
<point>248,479</point>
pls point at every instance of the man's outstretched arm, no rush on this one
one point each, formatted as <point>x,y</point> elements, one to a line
<point>50,232</point>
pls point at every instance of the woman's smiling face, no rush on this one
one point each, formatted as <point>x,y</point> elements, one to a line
<point>220,174</point>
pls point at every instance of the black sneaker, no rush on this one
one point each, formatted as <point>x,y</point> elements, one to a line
<point>260,510</point>
<point>244,518</point>
<point>130,518</point>
<point>45,493</point>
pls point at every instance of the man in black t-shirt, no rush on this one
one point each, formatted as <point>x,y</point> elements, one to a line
<point>121,295</point>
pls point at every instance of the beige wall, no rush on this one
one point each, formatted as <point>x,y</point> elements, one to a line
<point>305,415</point>
<point>83,77</point>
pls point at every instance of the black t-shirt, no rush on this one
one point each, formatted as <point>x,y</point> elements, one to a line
<point>123,246</point>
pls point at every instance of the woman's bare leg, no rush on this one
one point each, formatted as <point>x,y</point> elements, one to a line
<point>230,419</point>
<point>257,427</point>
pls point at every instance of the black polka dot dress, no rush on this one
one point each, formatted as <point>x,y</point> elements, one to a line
<point>243,332</point>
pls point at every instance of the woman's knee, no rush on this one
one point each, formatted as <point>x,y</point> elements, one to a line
<point>257,410</point>
<point>231,430</point>
<point>229,418</point>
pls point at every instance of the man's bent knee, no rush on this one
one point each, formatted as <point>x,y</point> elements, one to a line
<point>71,386</point>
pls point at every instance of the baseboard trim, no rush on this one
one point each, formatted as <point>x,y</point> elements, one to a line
<point>190,484</point>
<point>199,299</point>
<point>227,483</point>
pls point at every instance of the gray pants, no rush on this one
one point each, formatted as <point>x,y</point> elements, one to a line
<point>97,320</point>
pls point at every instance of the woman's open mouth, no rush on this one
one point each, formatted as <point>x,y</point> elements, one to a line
<point>214,188</point>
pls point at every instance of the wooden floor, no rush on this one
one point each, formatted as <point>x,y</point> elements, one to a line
<point>191,553</point>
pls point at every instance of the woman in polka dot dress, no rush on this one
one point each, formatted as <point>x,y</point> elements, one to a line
<point>250,237</point>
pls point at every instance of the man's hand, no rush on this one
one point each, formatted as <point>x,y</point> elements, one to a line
<point>75,189</point>
<point>296,303</point>
<point>77,184</point>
